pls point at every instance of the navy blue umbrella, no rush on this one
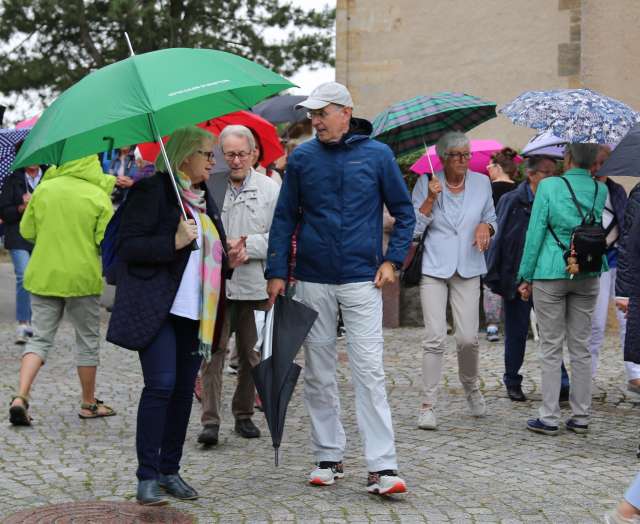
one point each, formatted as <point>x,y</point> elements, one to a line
<point>625,159</point>
<point>9,138</point>
<point>286,326</point>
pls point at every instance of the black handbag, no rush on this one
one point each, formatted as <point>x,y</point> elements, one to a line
<point>412,267</point>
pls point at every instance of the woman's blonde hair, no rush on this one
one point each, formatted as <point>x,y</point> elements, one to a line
<point>182,143</point>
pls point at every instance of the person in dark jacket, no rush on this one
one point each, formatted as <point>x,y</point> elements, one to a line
<point>335,187</point>
<point>627,282</point>
<point>503,261</point>
<point>613,222</point>
<point>169,302</point>
<point>502,172</point>
<point>628,301</point>
<point>16,193</point>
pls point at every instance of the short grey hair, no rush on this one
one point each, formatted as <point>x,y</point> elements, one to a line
<point>582,155</point>
<point>240,132</point>
<point>450,140</point>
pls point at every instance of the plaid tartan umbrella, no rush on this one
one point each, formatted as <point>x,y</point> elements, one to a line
<point>422,120</point>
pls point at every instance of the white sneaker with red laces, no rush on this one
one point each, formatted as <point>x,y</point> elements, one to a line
<point>385,482</point>
<point>326,473</point>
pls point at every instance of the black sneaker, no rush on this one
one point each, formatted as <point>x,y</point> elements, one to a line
<point>326,473</point>
<point>385,482</point>
<point>581,429</point>
<point>537,426</point>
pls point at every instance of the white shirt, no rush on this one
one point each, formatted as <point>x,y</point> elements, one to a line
<point>189,295</point>
<point>607,218</point>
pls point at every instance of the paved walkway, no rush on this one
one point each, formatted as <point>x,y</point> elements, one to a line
<point>488,470</point>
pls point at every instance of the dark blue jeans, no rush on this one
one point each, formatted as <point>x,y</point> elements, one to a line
<point>169,365</point>
<point>516,329</point>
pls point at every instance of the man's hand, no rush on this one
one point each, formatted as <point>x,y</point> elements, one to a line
<point>26,197</point>
<point>525,291</point>
<point>386,274</point>
<point>237,251</point>
<point>623,305</point>
<point>124,181</point>
<point>275,287</point>
<point>482,237</point>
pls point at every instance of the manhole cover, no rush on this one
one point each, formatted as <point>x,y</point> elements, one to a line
<point>99,513</point>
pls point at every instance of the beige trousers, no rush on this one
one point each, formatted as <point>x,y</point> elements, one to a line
<point>463,294</point>
<point>239,319</point>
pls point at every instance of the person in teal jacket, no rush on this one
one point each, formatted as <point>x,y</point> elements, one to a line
<point>564,303</point>
<point>66,219</point>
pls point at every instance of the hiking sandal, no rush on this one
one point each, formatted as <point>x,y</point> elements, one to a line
<point>18,415</point>
<point>94,410</point>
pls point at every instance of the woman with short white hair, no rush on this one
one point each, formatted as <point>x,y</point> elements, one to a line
<point>455,207</point>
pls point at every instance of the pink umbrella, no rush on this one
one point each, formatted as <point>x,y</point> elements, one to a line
<point>29,122</point>
<point>481,151</point>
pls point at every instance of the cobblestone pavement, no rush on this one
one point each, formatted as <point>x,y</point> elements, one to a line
<point>487,470</point>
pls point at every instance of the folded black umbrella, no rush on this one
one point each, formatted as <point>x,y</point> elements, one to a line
<point>625,159</point>
<point>279,109</point>
<point>286,326</point>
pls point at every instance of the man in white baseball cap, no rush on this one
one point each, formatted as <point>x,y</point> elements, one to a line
<point>333,193</point>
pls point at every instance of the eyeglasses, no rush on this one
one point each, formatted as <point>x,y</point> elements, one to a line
<point>545,173</point>
<point>458,156</point>
<point>320,113</point>
<point>210,156</point>
<point>230,156</point>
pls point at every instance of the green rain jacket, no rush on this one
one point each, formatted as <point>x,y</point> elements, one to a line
<point>66,219</point>
<point>542,258</point>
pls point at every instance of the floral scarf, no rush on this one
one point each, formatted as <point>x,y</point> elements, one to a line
<point>211,267</point>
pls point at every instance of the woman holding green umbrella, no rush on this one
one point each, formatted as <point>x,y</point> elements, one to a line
<point>169,302</point>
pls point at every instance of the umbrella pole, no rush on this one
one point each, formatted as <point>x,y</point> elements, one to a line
<point>163,151</point>
<point>276,457</point>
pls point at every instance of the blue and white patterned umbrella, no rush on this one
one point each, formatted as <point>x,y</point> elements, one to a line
<point>574,115</point>
<point>8,140</point>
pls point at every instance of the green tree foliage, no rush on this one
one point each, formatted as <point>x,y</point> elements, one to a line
<point>51,44</point>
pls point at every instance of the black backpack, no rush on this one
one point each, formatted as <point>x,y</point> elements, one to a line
<point>588,241</point>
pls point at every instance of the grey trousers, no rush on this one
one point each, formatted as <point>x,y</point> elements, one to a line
<point>564,309</point>
<point>464,296</point>
<point>84,313</point>
<point>239,318</point>
<point>361,306</point>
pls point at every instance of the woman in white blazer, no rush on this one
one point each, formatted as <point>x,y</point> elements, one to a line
<point>456,208</point>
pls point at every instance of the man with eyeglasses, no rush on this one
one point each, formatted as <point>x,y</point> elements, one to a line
<point>247,211</point>
<point>503,262</point>
<point>334,190</point>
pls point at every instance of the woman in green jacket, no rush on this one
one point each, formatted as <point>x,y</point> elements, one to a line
<point>564,302</point>
<point>65,219</point>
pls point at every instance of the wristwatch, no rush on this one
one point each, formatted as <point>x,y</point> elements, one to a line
<point>395,265</point>
<point>491,230</point>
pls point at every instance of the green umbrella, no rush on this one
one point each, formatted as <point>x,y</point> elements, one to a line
<point>143,97</point>
<point>420,121</point>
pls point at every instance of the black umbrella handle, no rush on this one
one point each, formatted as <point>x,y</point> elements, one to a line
<point>276,456</point>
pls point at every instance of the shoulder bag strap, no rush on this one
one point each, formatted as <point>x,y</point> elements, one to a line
<point>595,197</point>
<point>573,197</point>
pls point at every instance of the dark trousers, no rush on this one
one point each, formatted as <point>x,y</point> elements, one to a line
<point>169,365</point>
<point>516,330</point>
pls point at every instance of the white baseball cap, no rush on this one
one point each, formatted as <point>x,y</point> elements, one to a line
<point>327,93</point>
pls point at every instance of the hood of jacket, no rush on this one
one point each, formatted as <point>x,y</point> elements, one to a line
<point>87,168</point>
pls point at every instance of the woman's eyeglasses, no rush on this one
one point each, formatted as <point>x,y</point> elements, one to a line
<point>210,156</point>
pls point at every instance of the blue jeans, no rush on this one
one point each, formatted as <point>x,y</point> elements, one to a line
<point>516,329</point>
<point>20,259</point>
<point>169,365</point>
